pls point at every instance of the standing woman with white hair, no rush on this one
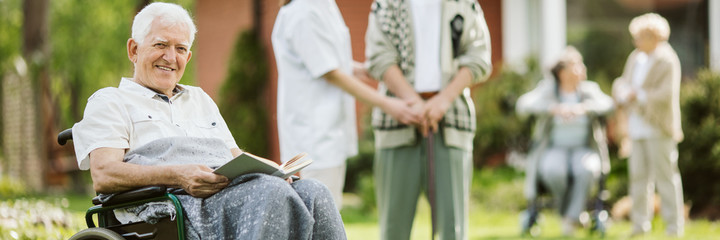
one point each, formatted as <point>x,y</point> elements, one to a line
<point>648,93</point>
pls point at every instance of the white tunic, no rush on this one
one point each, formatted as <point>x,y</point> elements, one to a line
<point>310,39</point>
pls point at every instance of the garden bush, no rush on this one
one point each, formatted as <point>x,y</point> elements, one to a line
<point>241,102</point>
<point>700,151</point>
<point>499,130</point>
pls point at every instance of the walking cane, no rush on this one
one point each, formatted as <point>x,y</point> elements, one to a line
<point>431,180</point>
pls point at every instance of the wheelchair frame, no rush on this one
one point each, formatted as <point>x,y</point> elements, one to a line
<point>106,219</point>
<point>598,215</point>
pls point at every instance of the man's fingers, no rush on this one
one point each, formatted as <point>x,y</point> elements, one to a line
<point>424,127</point>
<point>434,127</point>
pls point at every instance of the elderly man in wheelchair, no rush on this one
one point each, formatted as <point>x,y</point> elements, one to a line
<point>569,149</point>
<point>152,131</point>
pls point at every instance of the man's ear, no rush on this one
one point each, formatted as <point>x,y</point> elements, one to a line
<point>132,48</point>
<point>189,56</point>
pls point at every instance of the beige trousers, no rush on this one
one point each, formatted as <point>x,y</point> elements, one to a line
<point>653,165</point>
<point>333,178</point>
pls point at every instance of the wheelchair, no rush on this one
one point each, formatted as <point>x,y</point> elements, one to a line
<point>110,228</point>
<point>596,217</point>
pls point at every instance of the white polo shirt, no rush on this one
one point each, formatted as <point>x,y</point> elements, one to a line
<point>310,39</point>
<point>131,115</point>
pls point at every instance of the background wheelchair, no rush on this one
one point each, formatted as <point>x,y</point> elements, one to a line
<point>596,216</point>
<point>110,228</point>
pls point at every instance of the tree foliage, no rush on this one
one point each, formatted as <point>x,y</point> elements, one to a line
<point>499,129</point>
<point>241,104</point>
<point>700,151</point>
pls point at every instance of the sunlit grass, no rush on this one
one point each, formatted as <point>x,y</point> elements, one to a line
<point>492,224</point>
<point>496,202</point>
<point>493,214</point>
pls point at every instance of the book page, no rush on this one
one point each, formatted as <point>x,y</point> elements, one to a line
<point>296,163</point>
<point>293,160</point>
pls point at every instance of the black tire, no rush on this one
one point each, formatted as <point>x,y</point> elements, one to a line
<point>96,234</point>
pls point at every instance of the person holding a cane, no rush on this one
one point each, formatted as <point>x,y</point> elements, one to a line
<point>432,67</point>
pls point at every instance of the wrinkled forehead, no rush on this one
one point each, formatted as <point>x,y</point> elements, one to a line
<point>164,31</point>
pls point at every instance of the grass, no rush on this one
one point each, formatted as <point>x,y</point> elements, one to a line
<point>495,206</point>
<point>492,224</point>
<point>494,214</point>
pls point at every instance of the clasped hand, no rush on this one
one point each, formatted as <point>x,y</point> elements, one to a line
<point>423,114</point>
<point>568,112</point>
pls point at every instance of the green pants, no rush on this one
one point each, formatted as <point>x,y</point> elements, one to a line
<point>401,174</point>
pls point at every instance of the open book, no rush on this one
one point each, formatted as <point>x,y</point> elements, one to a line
<point>248,163</point>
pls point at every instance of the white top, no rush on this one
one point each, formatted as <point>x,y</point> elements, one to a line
<point>426,19</point>
<point>310,39</point>
<point>131,115</point>
<point>638,128</point>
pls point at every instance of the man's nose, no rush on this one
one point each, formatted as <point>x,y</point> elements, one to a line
<point>169,55</point>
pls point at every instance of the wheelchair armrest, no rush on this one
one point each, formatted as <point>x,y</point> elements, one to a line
<point>130,196</point>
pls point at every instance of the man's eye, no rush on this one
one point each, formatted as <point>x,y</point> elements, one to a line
<point>182,49</point>
<point>160,45</point>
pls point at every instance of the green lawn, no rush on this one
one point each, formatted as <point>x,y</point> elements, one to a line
<point>496,198</point>
<point>492,224</point>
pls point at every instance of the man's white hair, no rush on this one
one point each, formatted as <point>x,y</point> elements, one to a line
<point>652,22</point>
<point>168,13</point>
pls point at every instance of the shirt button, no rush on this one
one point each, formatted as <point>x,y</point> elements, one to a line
<point>150,117</point>
<point>213,124</point>
<point>177,125</point>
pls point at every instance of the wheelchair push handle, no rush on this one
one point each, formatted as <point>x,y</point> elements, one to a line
<point>64,136</point>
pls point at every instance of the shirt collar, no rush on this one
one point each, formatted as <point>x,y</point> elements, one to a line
<point>130,85</point>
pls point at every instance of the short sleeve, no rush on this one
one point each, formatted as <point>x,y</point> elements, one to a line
<point>105,123</point>
<point>311,41</point>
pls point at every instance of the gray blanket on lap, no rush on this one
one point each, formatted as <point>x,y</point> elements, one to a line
<point>253,206</point>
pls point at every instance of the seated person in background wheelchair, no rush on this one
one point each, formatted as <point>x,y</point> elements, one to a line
<point>567,137</point>
<point>152,106</point>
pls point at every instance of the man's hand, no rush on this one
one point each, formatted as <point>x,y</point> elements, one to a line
<point>200,181</point>
<point>434,110</point>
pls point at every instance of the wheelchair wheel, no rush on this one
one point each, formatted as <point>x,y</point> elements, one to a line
<point>96,234</point>
<point>599,223</point>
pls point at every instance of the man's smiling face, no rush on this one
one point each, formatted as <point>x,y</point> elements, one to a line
<point>161,58</point>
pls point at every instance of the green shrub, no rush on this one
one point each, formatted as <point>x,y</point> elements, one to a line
<point>10,188</point>
<point>498,189</point>
<point>700,151</point>
<point>498,127</point>
<point>241,95</point>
